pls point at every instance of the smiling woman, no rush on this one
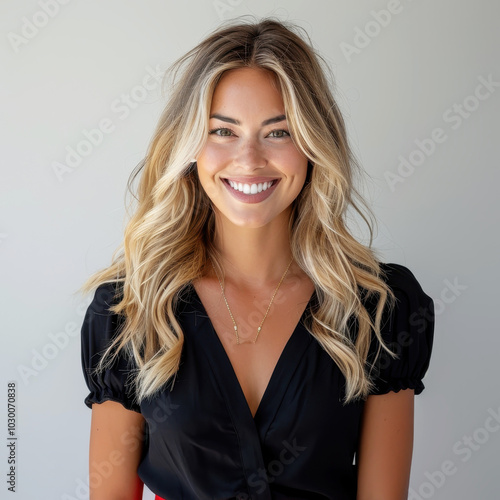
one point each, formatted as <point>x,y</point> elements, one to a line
<point>243,344</point>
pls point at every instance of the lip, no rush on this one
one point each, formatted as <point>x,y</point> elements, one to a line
<point>251,198</point>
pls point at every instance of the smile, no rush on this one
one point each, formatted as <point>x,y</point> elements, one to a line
<point>251,188</point>
<point>251,193</point>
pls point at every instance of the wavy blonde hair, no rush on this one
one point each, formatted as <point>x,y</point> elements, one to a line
<point>169,237</point>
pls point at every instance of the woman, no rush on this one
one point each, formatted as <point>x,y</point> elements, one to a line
<point>243,344</point>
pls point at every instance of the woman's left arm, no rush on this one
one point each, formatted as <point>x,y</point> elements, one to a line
<point>386,446</point>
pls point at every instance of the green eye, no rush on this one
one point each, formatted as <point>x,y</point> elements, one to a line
<point>280,134</point>
<point>224,132</point>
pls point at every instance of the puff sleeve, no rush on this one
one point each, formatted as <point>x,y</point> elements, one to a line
<point>408,330</point>
<point>98,330</point>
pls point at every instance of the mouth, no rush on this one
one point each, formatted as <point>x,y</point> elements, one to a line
<point>250,188</point>
<point>251,192</point>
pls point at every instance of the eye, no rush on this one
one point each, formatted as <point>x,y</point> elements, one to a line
<point>279,134</point>
<point>224,132</point>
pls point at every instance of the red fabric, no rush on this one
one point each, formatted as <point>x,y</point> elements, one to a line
<point>139,488</point>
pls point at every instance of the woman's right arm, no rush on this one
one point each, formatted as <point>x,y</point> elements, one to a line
<point>116,438</point>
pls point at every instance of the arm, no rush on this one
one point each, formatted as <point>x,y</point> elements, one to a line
<point>115,451</point>
<point>386,446</point>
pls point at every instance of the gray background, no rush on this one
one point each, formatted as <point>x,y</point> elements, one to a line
<point>440,221</point>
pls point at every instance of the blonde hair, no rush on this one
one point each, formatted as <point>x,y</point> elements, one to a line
<point>169,238</point>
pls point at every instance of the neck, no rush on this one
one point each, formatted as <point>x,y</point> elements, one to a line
<point>254,258</point>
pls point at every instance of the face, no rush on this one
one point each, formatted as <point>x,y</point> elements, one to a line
<point>250,167</point>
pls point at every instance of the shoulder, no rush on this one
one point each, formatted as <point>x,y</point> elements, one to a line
<point>401,279</point>
<point>105,296</point>
<point>407,290</point>
<point>100,327</point>
<point>408,329</point>
<point>101,324</point>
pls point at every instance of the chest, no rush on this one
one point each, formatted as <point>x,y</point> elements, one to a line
<point>254,363</point>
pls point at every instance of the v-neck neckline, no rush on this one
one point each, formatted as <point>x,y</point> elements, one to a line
<point>282,372</point>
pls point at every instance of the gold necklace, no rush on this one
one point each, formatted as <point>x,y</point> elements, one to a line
<point>268,307</point>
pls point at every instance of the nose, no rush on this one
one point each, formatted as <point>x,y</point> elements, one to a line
<point>250,155</point>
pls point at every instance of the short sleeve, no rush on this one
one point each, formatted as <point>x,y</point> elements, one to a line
<point>99,328</point>
<point>408,330</point>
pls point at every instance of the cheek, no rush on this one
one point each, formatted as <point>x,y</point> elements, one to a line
<point>209,163</point>
<point>293,162</point>
<point>212,159</point>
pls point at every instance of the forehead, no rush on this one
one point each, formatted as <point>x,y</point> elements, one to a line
<point>247,89</point>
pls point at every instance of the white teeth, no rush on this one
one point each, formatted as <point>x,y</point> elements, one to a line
<point>250,188</point>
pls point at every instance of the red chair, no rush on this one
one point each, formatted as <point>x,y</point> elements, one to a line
<point>140,489</point>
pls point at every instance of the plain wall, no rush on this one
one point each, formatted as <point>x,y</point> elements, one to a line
<point>417,78</point>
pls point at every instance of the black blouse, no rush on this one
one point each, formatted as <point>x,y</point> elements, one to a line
<point>202,442</point>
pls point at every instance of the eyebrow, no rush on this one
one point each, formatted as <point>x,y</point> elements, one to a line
<point>276,119</point>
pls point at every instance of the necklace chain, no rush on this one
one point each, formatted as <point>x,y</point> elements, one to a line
<point>268,307</point>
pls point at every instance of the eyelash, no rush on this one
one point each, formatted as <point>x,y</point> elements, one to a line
<point>232,132</point>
